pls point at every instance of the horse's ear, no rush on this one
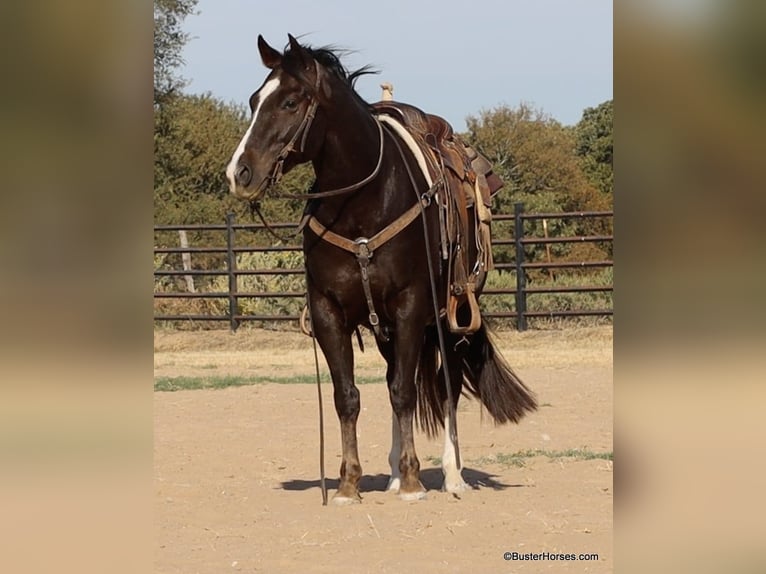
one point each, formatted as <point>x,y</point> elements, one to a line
<point>303,54</point>
<point>269,56</point>
<point>307,64</point>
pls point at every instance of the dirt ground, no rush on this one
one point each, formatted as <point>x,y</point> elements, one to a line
<point>237,471</point>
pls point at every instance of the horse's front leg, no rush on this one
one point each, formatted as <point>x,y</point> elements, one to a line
<point>403,394</point>
<point>335,342</point>
<point>394,482</point>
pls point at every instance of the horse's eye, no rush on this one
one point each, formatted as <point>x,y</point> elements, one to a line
<point>290,104</point>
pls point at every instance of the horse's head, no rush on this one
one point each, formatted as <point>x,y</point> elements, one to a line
<point>284,129</point>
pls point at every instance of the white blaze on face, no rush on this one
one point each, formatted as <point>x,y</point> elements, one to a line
<point>267,89</point>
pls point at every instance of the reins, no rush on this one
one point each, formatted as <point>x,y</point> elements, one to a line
<point>322,481</point>
<point>348,188</point>
<point>255,207</point>
<point>302,132</point>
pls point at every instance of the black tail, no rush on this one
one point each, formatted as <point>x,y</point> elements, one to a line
<point>480,370</point>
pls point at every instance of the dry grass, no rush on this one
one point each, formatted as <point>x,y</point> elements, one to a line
<point>258,352</point>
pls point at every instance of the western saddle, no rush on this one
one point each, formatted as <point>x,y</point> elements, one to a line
<point>467,181</point>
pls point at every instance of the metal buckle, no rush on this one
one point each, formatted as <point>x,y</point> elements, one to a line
<point>362,250</point>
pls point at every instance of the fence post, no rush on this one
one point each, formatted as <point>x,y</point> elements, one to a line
<point>231,265</point>
<point>521,281</point>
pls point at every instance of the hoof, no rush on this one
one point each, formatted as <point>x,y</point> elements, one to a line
<point>393,484</point>
<point>338,500</point>
<point>455,487</point>
<point>410,496</point>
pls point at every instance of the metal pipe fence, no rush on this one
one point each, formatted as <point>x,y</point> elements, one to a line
<point>219,272</point>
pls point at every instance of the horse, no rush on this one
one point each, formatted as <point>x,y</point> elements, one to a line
<point>368,184</point>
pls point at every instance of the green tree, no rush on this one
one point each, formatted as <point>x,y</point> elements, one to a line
<point>594,134</point>
<point>194,137</point>
<point>169,40</point>
<point>535,156</point>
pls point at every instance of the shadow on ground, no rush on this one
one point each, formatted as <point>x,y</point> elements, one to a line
<point>431,478</point>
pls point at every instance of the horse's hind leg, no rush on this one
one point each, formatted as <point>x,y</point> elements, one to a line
<point>453,478</point>
<point>337,349</point>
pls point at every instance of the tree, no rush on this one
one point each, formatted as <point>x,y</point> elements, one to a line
<point>194,137</point>
<point>594,134</point>
<point>169,40</point>
<point>535,157</point>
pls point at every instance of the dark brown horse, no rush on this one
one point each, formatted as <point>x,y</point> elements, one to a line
<point>367,179</point>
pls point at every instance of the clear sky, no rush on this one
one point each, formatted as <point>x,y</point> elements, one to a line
<point>452,58</point>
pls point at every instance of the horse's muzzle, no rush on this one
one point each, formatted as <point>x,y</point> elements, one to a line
<point>248,192</point>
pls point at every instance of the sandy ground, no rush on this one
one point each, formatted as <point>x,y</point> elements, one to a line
<point>237,471</point>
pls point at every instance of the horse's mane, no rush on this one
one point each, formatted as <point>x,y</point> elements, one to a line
<point>330,58</point>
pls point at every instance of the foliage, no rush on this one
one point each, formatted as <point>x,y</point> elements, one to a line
<point>535,157</point>
<point>269,283</point>
<point>518,458</point>
<point>558,301</point>
<point>594,135</point>
<point>533,154</point>
<point>266,283</point>
<point>169,40</point>
<point>193,139</point>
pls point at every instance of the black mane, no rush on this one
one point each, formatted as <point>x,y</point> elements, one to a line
<point>330,58</point>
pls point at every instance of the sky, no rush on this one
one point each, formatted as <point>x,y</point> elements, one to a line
<point>450,58</point>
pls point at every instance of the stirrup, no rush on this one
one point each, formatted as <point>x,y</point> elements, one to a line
<point>453,302</point>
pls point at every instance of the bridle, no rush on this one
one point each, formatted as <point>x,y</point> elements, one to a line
<point>302,132</point>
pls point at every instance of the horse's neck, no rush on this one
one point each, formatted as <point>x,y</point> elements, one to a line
<point>350,151</point>
<point>349,155</point>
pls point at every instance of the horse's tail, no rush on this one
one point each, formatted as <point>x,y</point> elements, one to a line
<point>485,374</point>
<point>489,377</point>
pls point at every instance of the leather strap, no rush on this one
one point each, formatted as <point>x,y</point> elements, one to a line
<point>348,188</point>
<point>363,249</point>
<point>380,238</point>
<point>302,132</point>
